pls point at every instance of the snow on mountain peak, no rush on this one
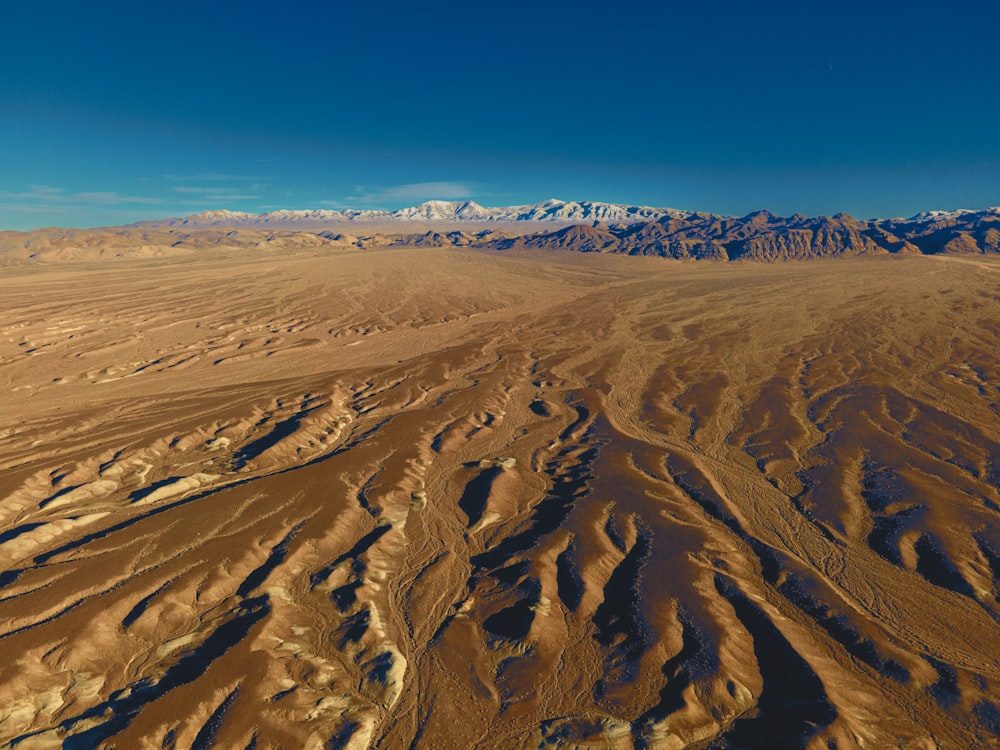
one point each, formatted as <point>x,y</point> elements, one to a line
<point>552,209</point>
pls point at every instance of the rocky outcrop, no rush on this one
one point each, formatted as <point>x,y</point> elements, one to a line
<point>759,236</point>
<point>763,236</point>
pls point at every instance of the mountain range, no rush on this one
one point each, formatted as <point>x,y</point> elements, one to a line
<point>763,236</point>
<point>429,211</point>
<point>552,225</point>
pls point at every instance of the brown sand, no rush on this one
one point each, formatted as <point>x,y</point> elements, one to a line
<point>452,499</point>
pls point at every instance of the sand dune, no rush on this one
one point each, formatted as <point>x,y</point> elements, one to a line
<point>441,497</point>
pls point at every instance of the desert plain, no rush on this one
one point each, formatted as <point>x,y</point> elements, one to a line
<point>451,498</point>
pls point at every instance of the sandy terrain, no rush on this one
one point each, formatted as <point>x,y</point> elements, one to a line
<point>447,498</point>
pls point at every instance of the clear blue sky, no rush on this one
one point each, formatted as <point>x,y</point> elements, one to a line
<point>115,111</point>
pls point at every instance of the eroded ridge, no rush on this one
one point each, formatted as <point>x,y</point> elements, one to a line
<point>442,498</point>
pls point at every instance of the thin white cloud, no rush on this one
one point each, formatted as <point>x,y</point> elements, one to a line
<point>195,190</point>
<point>216,192</point>
<point>46,195</point>
<point>42,193</point>
<point>231,197</point>
<point>213,177</point>
<point>24,208</point>
<point>414,192</point>
<point>111,198</point>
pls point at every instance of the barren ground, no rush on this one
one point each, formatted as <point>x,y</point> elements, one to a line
<point>449,499</point>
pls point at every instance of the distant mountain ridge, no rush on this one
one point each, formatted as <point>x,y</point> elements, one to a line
<point>429,211</point>
<point>575,226</point>
<point>763,236</point>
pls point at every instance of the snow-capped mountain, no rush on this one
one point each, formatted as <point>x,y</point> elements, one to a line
<point>926,216</point>
<point>432,211</point>
<point>571,226</point>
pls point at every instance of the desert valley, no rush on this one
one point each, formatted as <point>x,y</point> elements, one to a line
<point>443,481</point>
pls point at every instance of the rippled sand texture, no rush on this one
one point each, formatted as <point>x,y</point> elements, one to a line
<point>449,499</point>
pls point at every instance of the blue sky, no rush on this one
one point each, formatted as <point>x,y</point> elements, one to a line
<point>115,111</point>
